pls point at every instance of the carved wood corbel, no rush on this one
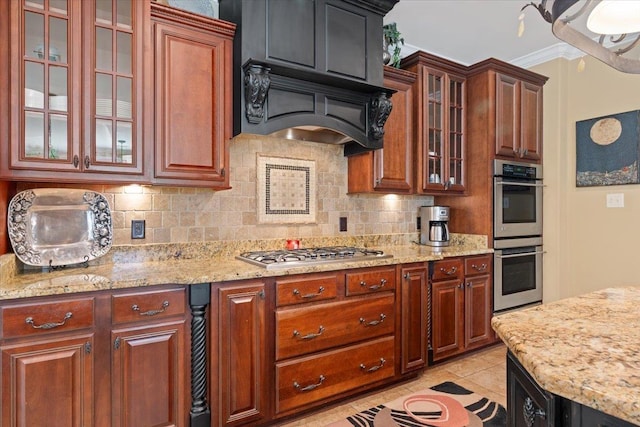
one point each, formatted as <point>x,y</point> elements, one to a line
<point>380,107</point>
<point>256,88</point>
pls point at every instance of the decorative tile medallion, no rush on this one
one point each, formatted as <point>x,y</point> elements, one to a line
<point>286,190</point>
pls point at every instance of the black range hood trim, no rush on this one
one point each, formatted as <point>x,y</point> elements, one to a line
<point>319,104</point>
<point>322,71</point>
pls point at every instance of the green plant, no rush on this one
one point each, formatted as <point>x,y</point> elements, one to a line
<point>393,38</point>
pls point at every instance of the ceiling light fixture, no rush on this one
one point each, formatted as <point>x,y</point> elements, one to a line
<point>615,22</point>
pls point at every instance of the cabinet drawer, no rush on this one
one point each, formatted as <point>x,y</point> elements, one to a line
<point>42,317</point>
<point>370,281</point>
<point>137,306</point>
<point>309,379</point>
<point>478,265</point>
<point>448,269</point>
<point>306,330</point>
<point>306,289</point>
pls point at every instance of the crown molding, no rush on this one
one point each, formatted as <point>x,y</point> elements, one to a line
<point>558,50</point>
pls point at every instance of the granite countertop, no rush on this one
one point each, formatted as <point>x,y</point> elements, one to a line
<point>586,348</point>
<point>136,266</point>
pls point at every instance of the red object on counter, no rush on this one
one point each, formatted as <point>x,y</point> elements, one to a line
<point>293,244</point>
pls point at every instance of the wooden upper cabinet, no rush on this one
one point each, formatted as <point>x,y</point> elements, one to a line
<point>193,98</point>
<point>518,118</point>
<point>506,106</point>
<point>531,121</point>
<point>390,169</point>
<point>76,87</point>
<point>439,125</point>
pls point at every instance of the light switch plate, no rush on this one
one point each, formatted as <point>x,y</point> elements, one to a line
<point>615,200</point>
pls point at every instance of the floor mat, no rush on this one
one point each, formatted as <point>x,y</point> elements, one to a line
<point>444,405</point>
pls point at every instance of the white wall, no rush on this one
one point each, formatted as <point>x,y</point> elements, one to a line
<point>589,246</point>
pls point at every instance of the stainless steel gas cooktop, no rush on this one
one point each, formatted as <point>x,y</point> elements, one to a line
<point>310,256</point>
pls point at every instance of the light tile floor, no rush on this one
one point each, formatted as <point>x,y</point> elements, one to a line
<point>483,372</point>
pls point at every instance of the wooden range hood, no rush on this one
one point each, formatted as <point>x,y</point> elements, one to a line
<point>310,70</point>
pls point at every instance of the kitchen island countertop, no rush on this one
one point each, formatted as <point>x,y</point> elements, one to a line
<point>195,264</point>
<point>585,349</point>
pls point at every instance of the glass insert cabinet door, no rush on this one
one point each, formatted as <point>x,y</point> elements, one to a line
<point>443,149</point>
<point>79,84</point>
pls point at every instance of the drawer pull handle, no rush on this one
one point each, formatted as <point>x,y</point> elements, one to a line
<point>309,387</point>
<point>373,322</point>
<point>383,282</point>
<point>481,267</point>
<point>309,336</point>
<point>529,412</point>
<point>48,325</point>
<point>373,368</point>
<point>165,304</point>
<point>451,272</point>
<point>308,296</point>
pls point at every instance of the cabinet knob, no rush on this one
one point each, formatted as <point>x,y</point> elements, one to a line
<point>460,286</point>
<point>76,161</point>
<point>87,161</point>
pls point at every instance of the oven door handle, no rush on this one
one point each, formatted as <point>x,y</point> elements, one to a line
<point>522,254</point>
<point>524,184</point>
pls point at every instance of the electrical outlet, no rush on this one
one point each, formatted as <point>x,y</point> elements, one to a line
<point>615,200</point>
<point>137,229</point>
<point>343,223</point>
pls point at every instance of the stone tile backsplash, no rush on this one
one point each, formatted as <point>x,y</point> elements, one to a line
<point>182,214</point>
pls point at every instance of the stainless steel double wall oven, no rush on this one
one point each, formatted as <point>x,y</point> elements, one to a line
<point>517,239</point>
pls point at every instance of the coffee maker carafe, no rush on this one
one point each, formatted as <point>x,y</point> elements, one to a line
<point>434,225</point>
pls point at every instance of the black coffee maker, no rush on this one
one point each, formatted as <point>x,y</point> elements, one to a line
<point>434,230</point>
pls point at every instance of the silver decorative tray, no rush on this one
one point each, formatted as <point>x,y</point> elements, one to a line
<point>59,226</point>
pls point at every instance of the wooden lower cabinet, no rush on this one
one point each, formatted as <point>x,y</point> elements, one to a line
<point>312,378</point>
<point>147,388</point>
<point>95,359</point>
<point>323,326</point>
<point>332,348</point>
<point>413,291</point>
<point>239,357</point>
<point>48,382</point>
<point>460,306</point>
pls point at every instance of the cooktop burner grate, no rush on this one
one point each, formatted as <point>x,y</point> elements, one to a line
<point>308,256</point>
